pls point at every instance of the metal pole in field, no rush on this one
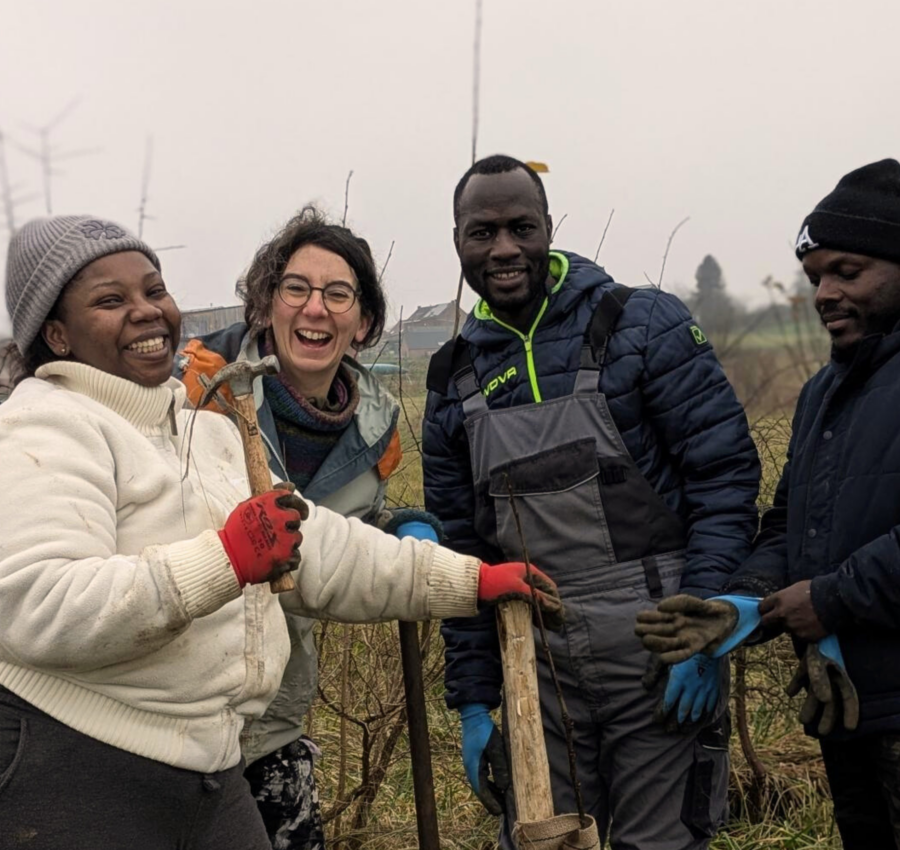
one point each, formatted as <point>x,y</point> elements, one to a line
<point>419,746</point>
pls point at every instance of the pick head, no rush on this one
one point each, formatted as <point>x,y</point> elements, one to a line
<point>240,376</point>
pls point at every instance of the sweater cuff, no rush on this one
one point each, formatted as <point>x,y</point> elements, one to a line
<point>826,601</point>
<point>202,573</point>
<point>452,584</point>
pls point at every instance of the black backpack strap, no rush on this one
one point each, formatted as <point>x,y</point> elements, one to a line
<point>453,362</point>
<point>440,367</point>
<point>597,334</point>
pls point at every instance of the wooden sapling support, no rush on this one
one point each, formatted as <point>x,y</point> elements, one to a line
<point>525,731</point>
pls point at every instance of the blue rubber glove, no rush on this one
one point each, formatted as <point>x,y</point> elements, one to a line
<point>419,530</point>
<point>692,689</point>
<point>831,649</point>
<point>747,624</point>
<point>482,748</point>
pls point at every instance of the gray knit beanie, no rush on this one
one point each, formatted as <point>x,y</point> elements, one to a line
<point>45,254</point>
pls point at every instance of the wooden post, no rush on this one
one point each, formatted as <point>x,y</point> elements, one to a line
<point>528,752</point>
<point>258,473</point>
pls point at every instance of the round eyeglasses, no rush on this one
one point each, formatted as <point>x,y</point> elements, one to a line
<point>337,297</point>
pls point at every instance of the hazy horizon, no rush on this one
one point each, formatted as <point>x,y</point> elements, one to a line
<point>740,117</point>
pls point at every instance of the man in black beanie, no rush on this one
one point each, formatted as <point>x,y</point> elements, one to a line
<point>850,249</point>
<point>827,558</point>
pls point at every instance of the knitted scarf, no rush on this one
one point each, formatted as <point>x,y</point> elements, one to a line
<point>307,431</point>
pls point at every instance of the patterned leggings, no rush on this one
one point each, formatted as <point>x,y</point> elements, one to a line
<point>284,787</point>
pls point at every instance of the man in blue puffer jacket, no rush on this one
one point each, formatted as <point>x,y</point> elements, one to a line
<point>606,412</point>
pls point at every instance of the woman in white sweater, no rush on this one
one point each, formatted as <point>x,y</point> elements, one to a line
<point>137,631</point>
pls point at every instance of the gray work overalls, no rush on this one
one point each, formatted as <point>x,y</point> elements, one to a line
<point>595,525</point>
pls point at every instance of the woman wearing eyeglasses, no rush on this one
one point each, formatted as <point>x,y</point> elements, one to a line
<point>312,297</point>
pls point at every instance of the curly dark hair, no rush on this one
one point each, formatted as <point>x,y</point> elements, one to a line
<point>310,227</point>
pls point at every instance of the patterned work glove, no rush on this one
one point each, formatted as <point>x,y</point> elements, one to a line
<point>511,582</point>
<point>830,695</point>
<point>683,625</point>
<point>261,536</point>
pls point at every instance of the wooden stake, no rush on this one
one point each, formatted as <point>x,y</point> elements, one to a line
<point>528,752</point>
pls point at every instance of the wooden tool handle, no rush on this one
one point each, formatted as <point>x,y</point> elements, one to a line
<point>528,752</point>
<point>257,467</point>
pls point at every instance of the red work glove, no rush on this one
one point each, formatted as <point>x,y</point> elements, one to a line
<point>262,535</point>
<point>507,582</point>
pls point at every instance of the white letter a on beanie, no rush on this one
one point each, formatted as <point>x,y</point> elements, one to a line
<point>805,242</point>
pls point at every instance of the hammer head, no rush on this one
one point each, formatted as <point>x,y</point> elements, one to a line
<point>239,377</point>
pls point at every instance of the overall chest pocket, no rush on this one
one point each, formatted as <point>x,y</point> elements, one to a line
<point>557,496</point>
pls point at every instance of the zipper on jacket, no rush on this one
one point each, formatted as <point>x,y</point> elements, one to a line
<point>528,340</point>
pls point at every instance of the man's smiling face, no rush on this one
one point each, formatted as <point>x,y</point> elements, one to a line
<point>502,238</point>
<point>855,295</point>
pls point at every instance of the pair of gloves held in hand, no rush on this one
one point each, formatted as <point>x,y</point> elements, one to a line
<point>692,634</point>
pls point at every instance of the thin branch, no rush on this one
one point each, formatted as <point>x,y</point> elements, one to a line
<point>603,237</point>
<point>62,113</point>
<point>344,731</point>
<point>6,191</point>
<point>558,225</point>
<point>378,356</point>
<point>400,385</point>
<point>387,259</point>
<point>740,706</point>
<point>346,198</point>
<point>458,299</point>
<point>669,245</point>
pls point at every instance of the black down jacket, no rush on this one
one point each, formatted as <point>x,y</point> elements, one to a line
<point>670,400</point>
<point>836,520</point>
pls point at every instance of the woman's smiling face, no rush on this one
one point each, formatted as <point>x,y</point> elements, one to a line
<point>309,340</point>
<point>117,316</point>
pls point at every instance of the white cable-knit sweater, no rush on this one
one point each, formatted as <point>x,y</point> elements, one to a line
<point>120,614</point>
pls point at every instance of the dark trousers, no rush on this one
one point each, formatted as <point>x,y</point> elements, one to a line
<point>864,775</point>
<point>61,790</point>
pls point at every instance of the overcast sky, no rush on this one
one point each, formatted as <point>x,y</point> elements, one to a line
<point>741,115</point>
